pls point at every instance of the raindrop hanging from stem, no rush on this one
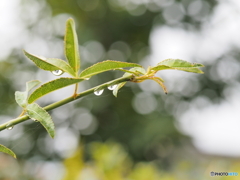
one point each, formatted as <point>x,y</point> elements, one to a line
<point>98,92</point>
<point>10,128</point>
<point>112,87</point>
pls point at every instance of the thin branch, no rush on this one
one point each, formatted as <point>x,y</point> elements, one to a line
<point>65,101</point>
<point>75,90</point>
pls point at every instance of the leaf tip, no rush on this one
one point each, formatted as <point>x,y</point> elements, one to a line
<point>200,71</point>
<point>7,151</point>
<point>14,155</point>
<point>52,135</point>
<point>24,52</point>
<point>70,21</point>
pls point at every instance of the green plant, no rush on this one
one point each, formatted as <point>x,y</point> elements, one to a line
<point>136,73</point>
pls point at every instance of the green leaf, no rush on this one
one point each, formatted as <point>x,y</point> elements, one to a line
<point>52,86</point>
<point>132,71</point>
<point>136,71</point>
<point>32,84</point>
<point>21,97</point>
<point>7,151</point>
<point>41,62</point>
<point>178,64</point>
<point>62,65</point>
<point>105,66</point>
<point>71,46</point>
<point>36,112</point>
<point>50,64</point>
<point>119,86</point>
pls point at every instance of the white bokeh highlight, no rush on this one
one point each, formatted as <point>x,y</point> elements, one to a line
<point>214,128</point>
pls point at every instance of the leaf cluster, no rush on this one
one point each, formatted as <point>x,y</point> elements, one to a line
<point>137,74</point>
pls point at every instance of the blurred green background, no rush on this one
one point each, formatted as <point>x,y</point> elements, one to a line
<point>136,136</point>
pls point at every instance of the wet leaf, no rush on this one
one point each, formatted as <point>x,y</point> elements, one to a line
<point>40,62</point>
<point>119,86</point>
<point>52,86</point>
<point>61,65</point>
<point>36,112</point>
<point>50,64</point>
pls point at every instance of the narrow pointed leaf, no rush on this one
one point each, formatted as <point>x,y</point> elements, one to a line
<point>160,82</point>
<point>7,151</point>
<point>62,65</point>
<point>119,86</point>
<point>50,64</point>
<point>160,67</point>
<point>71,46</point>
<point>32,84</point>
<point>190,69</point>
<point>36,112</point>
<point>21,97</point>
<point>136,70</point>
<point>105,66</point>
<point>52,86</point>
<point>193,70</point>
<point>178,64</point>
<point>131,71</point>
<point>125,70</point>
<point>41,62</point>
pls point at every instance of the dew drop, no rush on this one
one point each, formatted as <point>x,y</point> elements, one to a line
<point>98,92</point>
<point>10,128</point>
<point>57,72</point>
<point>112,87</point>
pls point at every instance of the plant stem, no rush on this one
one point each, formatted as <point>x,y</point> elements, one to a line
<point>75,90</point>
<point>65,101</point>
<point>22,113</point>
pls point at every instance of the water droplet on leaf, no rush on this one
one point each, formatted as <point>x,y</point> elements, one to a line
<point>98,92</point>
<point>112,87</point>
<point>57,72</point>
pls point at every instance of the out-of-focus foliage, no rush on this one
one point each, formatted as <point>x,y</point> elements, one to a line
<point>7,151</point>
<point>110,160</point>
